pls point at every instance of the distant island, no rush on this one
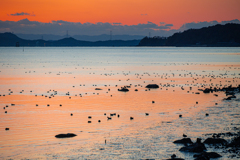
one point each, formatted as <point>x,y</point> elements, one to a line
<point>227,35</point>
<point>9,40</point>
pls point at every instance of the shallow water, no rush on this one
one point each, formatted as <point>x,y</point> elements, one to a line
<point>48,77</point>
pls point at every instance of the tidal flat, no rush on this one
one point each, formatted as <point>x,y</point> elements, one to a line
<point>49,91</point>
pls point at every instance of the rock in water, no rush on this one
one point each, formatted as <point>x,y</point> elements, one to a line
<point>184,141</point>
<point>124,89</point>
<point>197,147</point>
<point>215,141</point>
<point>235,142</point>
<point>152,86</point>
<point>207,155</point>
<point>175,157</point>
<point>68,135</point>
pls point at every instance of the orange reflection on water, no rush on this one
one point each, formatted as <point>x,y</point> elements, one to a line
<point>36,117</point>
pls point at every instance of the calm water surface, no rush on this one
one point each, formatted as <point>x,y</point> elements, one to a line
<point>34,82</point>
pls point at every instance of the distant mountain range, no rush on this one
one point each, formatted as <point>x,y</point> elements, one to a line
<point>227,35</point>
<point>9,39</point>
<point>103,37</point>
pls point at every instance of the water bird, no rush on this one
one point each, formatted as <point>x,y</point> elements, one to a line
<point>146,114</point>
<point>180,116</point>
<point>131,118</point>
<point>99,121</point>
<point>89,117</point>
<point>6,129</point>
<point>71,114</point>
<point>89,121</point>
<point>184,135</point>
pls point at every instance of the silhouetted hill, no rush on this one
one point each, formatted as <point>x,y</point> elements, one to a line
<point>91,38</point>
<point>154,41</point>
<point>227,35</point>
<point>9,39</point>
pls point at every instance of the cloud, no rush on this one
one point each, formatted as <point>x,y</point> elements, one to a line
<point>168,25</point>
<point>22,14</point>
<point>117,23</point>
<point>59,27</point>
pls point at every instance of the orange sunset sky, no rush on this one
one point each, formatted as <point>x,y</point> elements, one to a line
<point>126,12</point>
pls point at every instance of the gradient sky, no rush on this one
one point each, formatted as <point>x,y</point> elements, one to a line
<point>126,12</point>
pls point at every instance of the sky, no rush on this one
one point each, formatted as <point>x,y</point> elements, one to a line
<point>95,17</point>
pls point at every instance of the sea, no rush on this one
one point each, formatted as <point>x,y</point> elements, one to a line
<point>46,91</point>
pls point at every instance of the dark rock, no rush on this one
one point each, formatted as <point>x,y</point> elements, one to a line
<point>207,90</point>
<point>197,147</point>
<point>233,96</point>
<point>184,141</point>
<point>228,98</point>
<point>215,141</point>
<point>175,157</point>
<point>207,155</point>
<point>235,142</point>
<point>152,86</point>
<point>124,89</point>
<point>68,135</point>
